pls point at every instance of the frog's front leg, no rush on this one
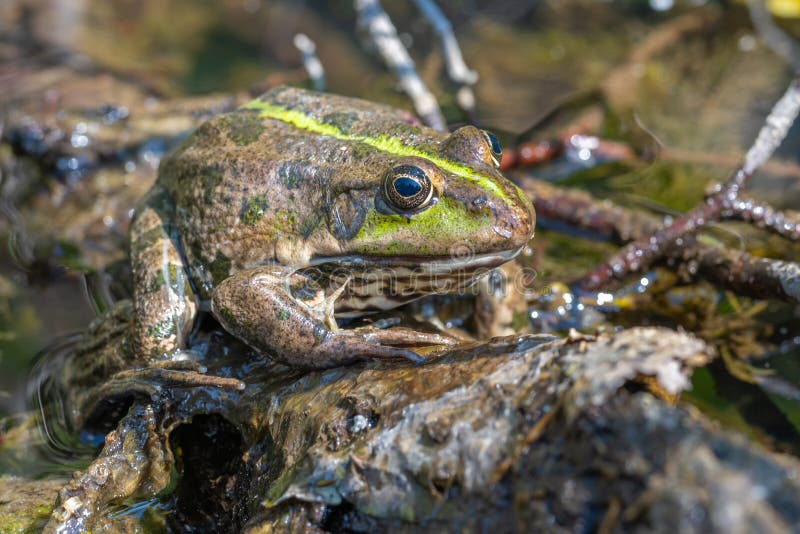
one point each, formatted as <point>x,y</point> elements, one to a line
<point>257,306</point>
<point>164,303</point>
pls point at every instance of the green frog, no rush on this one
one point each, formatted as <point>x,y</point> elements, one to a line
<point>302,207</point>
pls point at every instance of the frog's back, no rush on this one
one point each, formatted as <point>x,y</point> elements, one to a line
<point>256,185</point>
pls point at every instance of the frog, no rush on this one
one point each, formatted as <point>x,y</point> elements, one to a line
<point>301,210</point>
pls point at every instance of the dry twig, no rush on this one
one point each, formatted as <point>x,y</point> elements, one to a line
<point>383,34</point>
<point>457,69</point>
<point>311,62</point>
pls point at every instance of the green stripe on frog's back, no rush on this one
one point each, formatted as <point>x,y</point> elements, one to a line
<point>385,143</point>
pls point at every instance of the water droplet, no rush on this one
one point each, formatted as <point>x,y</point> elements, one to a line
<point>661,5</point>
<point>747,43</point>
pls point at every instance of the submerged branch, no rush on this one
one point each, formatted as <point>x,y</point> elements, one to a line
<point>729,269</point>
<point>783,223</point>
<point>643,252</point>
<point>746,275</point>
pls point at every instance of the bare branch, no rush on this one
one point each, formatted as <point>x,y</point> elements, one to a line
<point>641,253</point>
<point>456,68</point>
<point>773,132</point>
<point>773,37</point>
<point>784,223</point>
<point>581,210</point>
<point>734,270</point>
<point>311,62</point>
<point>746,275</point>
<point>376,22</point>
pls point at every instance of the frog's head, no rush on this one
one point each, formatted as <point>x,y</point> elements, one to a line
<point>447,204</point>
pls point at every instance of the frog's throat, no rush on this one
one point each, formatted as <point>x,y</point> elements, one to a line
<point>391,145</point>
<point>380,286</point>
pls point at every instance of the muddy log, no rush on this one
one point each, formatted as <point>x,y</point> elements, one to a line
<point>520,433</point>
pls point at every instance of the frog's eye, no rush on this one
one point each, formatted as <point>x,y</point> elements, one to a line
<point>407,188</point>
<point>494,144</point>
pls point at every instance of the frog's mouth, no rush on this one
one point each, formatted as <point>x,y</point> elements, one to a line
<point>378,283</point>
<point>457,260</point>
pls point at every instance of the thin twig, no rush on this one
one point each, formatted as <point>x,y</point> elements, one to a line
<point>783,223</point>
<point>772,134</point>
<point>775,38</point>
<point>454,60</point>
<point>311,62</point>
<point>376,22</point>
<point>457,69</point>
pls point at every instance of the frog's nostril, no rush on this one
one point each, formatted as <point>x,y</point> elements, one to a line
<point>503,231</point>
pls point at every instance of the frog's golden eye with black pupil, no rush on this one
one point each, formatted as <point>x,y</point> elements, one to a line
<point>494,144</point>
<point>407,188</point>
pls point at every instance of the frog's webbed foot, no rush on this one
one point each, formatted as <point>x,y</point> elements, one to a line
<point>258,307</point>
<point>135,463</point>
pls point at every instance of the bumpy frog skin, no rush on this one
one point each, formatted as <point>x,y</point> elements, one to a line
<point>303,206</point>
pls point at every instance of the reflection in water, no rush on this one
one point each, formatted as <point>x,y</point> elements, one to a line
<point>46,441</point>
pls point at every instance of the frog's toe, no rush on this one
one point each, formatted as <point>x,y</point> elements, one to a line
<point>405,337</point>
<point>362,347</point>
<point>413,357</point>
<point>395,353</point>
<point>427,338</point>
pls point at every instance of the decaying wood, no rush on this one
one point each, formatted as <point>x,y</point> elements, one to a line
<point>521,433</point>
